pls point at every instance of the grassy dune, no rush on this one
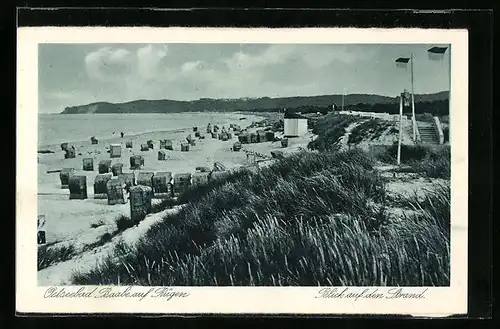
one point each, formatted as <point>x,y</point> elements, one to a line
<point>309,219</point>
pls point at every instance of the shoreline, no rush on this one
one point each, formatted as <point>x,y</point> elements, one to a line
<point>55,146</point>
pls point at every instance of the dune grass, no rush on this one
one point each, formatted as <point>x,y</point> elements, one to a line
<point>330,129</point>
<point>309,219</point>
<point>49,255</point>
<point>429,161</point>
<point>368,130</point>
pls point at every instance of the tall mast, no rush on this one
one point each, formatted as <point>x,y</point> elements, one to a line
<point>413,120</point>
<point>400,128</point>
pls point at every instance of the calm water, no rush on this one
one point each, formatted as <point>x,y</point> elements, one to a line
<point>58,128</point>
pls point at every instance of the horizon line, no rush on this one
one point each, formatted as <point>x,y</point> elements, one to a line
<point>246,97</point>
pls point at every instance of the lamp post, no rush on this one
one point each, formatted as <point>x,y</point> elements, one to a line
<point>437,53</point>
<point>413,121</point>
<point>400,128</point>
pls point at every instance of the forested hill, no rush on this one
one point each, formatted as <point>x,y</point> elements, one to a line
<point>241,104</point>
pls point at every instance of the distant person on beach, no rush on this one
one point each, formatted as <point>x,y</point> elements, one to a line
<point>122,134</point>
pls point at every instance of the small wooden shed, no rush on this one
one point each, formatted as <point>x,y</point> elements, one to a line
<point>262,136</point>
<point>215,175</point>
<point>140,202</point>
<point>115,150</point>
<point>162,155</point>
<point>254,138</point>
<point>116,190</point>
<point>100,182</point>
<point>202,169</point>
<point>129,179</point>
<point>145,178</point>
<point>88,164</point>
<point>136,161</point>
<point>70,152</point>
<point>184,147</point>
<point>244,138</point>
<point>166,144</point>
<point>64,176</point>
<point>77,187</point>
<point>104,166</point>
<point>117,169</point>
<point>200,178</point>
<point>162,185</point>
<point>182,182</point>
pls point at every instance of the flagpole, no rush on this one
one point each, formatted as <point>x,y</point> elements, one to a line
<point>343,95</point>
<point>413,102</point>
<point>400,128</point>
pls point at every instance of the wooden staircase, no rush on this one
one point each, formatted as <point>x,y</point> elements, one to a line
<point>428,133</point>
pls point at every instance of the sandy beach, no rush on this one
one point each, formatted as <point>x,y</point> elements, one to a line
<point>69,221</point>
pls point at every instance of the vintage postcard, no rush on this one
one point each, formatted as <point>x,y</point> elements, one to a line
<point>263,171</point>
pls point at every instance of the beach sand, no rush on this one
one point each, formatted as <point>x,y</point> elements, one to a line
<point>69,221</point>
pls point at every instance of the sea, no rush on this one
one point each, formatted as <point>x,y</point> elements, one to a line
<point>57,128</point>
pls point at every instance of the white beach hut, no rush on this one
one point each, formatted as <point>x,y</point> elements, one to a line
<point>294,125</point>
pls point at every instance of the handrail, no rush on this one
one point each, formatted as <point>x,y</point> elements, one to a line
<point>439,130</point>
<point>417,132</point>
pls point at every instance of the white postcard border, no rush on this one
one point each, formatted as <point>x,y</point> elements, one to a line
<point>30,298</point>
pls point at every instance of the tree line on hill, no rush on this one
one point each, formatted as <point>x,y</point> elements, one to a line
<point>305,104</point>
<point>435,108</point>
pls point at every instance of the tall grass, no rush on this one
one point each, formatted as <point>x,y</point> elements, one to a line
<point>368,130</point>
<point>48,255</point>
<point>330,129</point>
<point>435,164</point>
<point>309,219</point>
<point>429,161</point>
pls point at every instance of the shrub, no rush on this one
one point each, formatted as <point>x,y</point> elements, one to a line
<point>162,205</point>
<point>122,223</point>
<point>408,152</point>
<point>436,163</point>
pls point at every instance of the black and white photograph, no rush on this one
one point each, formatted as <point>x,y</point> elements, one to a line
<point>244,164</point>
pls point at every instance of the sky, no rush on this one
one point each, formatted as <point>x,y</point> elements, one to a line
<point>78,74</point>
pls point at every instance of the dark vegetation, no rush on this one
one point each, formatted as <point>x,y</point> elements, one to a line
<point>372,128</point>
<point>48,255</point>
<point>310,104</point>
<point>311,218</point>
<point>330,129</point>
<point>429,161</point>
<point>122,223</point>
<point>432,108</point>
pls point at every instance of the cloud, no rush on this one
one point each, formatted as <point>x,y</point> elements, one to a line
<point>107,63</point>
<point>148,60</point>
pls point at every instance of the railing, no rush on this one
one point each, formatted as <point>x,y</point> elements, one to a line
<point>416,138</point>
<point>439,130</point>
